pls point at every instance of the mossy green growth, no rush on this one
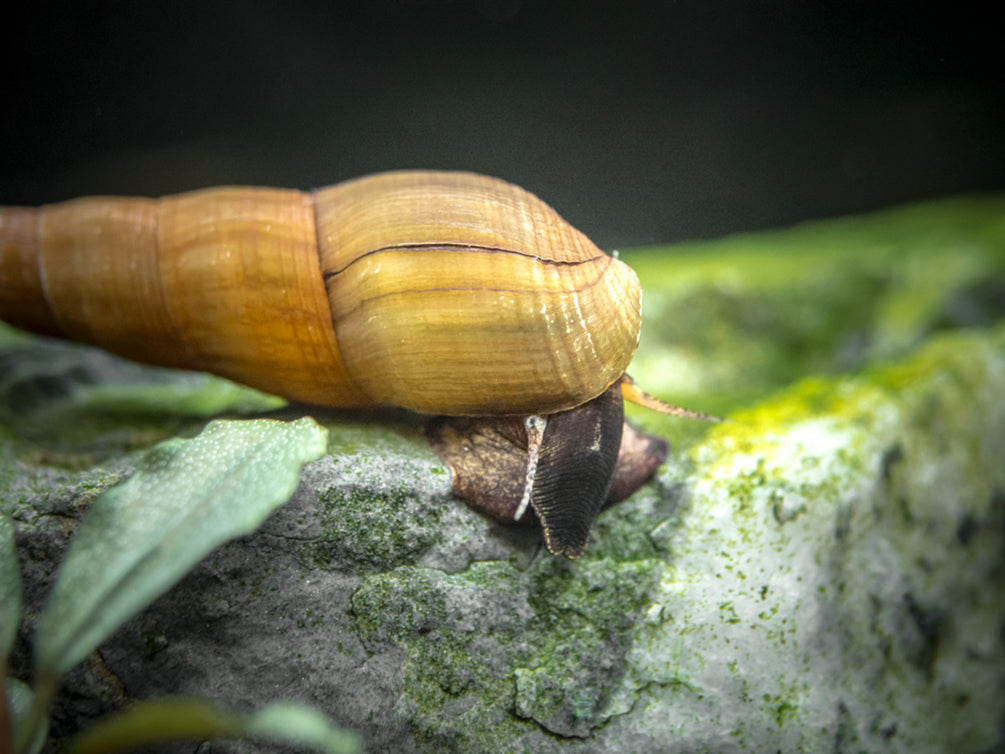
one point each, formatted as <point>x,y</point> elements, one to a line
<point>494,652</point>
<point>373,530</point>
<point>383,496</point>
<point>841,549</point>
<point>728,322</point>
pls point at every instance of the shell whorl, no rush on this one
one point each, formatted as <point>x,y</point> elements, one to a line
<point>448,293</point>
<point>459,290</point>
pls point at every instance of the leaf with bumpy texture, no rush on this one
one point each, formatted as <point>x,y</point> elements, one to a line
<point>139,538</point>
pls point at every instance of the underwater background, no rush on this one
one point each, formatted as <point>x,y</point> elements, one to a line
<point>641,123</point>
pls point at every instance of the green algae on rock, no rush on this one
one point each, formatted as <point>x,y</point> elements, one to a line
<point>730,321</point>
<point>837,583</point>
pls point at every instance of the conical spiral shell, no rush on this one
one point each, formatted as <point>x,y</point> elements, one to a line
<point>447,293</point>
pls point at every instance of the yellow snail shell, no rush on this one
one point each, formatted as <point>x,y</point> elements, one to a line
<point>447,293</point>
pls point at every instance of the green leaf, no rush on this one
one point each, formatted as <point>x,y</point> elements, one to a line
<point>19,702</point>
<point>10,589</point>
<point>298,724</point>
<point>65,396</point>
<point>139,538</point>
<point>181,718</point>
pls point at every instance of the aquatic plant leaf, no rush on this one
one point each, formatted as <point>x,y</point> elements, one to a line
<point>140,537</point>
<point>182,718</point>
<point>10,589</point>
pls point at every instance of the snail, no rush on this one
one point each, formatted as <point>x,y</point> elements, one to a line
<point>446,293</point>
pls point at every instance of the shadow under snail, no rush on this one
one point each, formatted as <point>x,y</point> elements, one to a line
<point>451,294</point>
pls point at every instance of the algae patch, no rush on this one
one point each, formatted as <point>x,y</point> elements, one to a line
<point>505,650</point>
<point>853,536</point>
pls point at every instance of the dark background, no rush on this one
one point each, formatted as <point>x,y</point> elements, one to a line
<point>640,123</point>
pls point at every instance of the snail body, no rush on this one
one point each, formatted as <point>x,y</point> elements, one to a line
<point>452,294</point>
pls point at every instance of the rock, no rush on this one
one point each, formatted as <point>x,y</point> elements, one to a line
<point>822,573</point>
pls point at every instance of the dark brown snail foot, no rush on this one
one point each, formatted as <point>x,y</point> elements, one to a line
<point>585,459</point>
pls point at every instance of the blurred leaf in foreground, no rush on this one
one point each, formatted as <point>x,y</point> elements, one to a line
<point>179,718</point>
<point>10,590</point>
